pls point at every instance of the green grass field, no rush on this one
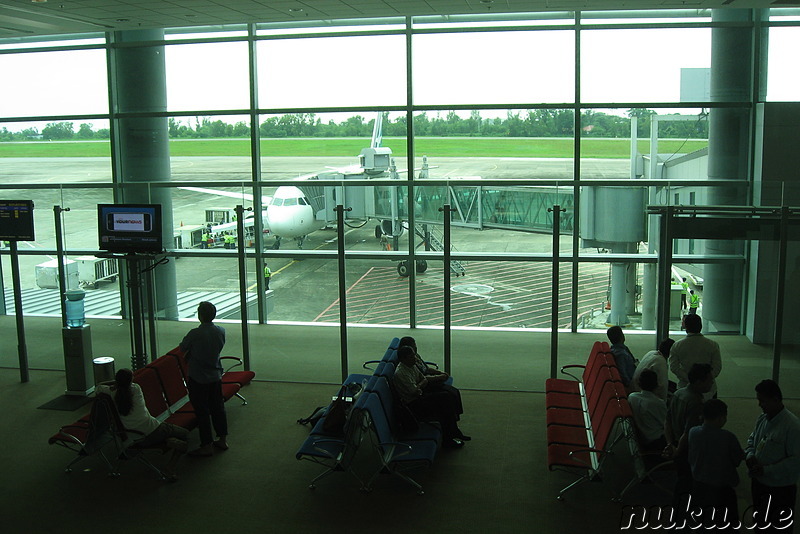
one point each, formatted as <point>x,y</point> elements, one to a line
<point>430,146</point>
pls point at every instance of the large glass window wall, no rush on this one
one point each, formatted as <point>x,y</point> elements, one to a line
<point>482,117</point>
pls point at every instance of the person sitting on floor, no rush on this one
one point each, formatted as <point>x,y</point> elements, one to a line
<point>436,378</point>
<point>129,400</point>
<point>410,385</point>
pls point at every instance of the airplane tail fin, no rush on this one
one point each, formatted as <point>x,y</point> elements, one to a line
<point>377,131</point>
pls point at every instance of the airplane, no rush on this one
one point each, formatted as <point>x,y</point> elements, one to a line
<point>290,214</point>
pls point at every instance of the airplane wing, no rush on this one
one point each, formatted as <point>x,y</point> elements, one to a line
<point>265,200</point>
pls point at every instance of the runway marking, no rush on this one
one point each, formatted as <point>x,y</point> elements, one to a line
<point>335,302</point>
<point>281,269</point>
<point>518,297</point>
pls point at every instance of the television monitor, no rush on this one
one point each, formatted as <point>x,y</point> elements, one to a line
<point>130,228</point>
<point>16,220</point>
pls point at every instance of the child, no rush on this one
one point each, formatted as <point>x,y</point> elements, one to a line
<point>714,455</point>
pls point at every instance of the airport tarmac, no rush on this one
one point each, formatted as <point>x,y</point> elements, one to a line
<point>305,288</point>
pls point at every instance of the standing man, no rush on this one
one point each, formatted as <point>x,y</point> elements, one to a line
<point>203,346</point>
<point>694,348</point>
<point>267,276</point>
<point>626,363</point>
<point>656,360</point>
<point>684,292</point>
<point>649,412</point>
<point>773,460</point>
<point>685,412</point>
<point>694,302</point>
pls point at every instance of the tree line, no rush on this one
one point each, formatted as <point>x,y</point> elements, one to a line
<point>528,123</point>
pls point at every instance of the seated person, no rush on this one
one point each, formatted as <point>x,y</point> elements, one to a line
<point>436,378</point>
<point>410,385</point>
<point>133,413</point>
<point>626,363</point>
<point>649,412</point>
<point>656,360</point>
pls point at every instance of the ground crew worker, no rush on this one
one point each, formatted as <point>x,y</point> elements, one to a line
<point>267,276</point>
<point>694,302</point>
<point>229,241</point>
<point>684,292</point>
<point>204,240</point>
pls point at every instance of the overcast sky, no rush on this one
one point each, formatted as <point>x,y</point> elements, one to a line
<point>461,68</point>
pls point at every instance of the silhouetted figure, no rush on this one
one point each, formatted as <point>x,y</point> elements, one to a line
<point>685,411</point>
<point>203,346</point>
<point>410,385</point>
<point>626,363</point>
<point>714,455</point>
<point>773,460</point>
<point>436,378</point>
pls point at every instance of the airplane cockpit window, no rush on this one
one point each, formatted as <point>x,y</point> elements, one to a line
<point>290,202</point>
<point>302,201</point>
<point>277,202</point>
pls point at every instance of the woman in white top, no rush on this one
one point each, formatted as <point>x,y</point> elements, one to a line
<point>133,413</point>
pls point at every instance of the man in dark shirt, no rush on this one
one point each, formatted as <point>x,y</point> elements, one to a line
<point>626,363</point>
<point>686,411</point>
<point>203,346</point>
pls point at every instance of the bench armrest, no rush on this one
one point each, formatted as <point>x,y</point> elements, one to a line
<point>237,362</point>
<point>63,430</point>
<point>406,449</point>
<point>325,451</point>
<point>573,366</point>
<point>585,449</point>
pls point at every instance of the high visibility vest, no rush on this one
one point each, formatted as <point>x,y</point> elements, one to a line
<point>694,300</point>
<point>267,272</point>
<point>685,286</point>
<point>205,237</point>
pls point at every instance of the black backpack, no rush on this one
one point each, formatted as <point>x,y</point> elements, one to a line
<point>318,413</point>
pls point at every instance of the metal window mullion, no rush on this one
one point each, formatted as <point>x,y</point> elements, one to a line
<point>412,269</point>
<point>576,189</point>
<point>255,169</point>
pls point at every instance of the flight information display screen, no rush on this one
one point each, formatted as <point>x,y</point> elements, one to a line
<point>129,227</point>
<point>16,220</point>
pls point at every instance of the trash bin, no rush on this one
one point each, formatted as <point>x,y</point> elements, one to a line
<point>103,369</point>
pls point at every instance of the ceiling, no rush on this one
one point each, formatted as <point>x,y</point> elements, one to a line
<point>21,18</point>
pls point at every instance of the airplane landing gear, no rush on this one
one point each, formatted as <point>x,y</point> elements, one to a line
<point>277,244</point>
<point>402,268</point>
<point>378,232</point>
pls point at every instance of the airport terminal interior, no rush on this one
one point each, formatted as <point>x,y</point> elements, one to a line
<point>503,181</point>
